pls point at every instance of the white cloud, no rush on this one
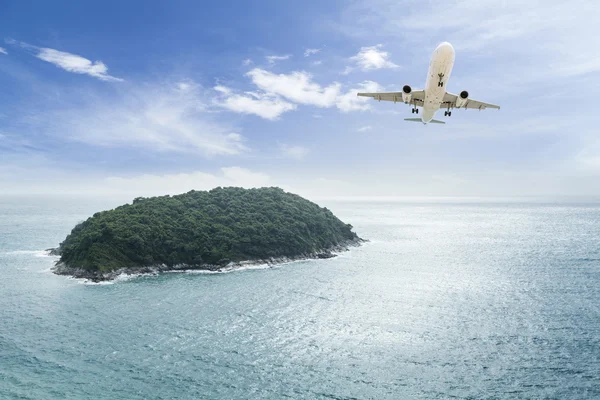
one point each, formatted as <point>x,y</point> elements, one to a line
<point>68,61</point>
<point>222,89</point>
<point>364,128</point>
<point>309,52</point>
<point>295,152</point>
<point>327,188</point>
<point>351,102</point>
<point>296,86</point>
<point>247,62</point>
<point>470,27</point>
<point>33,175</point>
<point>273,59</point>
<point>184,86</point>
<point>370,58</point>
<point>154,185</point>
<point>3,50</point>
<point>267,106</point>
<point>162,117</point>
<point>237,176</point>
<point>36,178</point>
<point>76,64</point>
<point>315,63</point>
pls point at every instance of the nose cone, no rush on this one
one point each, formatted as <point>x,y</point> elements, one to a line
<point>445,47</point>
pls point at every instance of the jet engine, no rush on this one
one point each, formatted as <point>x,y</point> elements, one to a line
<point>406,93</point>
<point>461,100</point>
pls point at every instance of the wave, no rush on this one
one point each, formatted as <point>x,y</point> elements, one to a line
<point>123,277</point>
<point>34,253</point>
<point>87,282</point>
<point>120,278</point>
<point>126,274</point>
<point>228,270</point>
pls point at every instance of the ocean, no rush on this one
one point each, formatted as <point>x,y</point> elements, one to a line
<point>453,298</point>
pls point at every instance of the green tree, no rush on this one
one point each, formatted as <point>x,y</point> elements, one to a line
<point>202,228</point>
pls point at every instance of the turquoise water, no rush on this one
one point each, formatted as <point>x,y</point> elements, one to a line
<point>455,300</point>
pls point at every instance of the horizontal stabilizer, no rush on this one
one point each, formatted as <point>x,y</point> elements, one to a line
<point>435,121</point>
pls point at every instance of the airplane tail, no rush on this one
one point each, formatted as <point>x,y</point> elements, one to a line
<point>433,121</point>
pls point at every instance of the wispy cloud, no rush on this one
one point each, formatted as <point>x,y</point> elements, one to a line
<point>470,27</point>
<point>3,50</point>
<point>296,86</point>
<point>247,62</point>
<point>294,152</point>
<point>222,89</point>
<point>299,88</point>
<point>372,57</point>
<point>170,117</point>
<point>76,64</point>
<point>14,143</point>
<point>347,70</point>
<point>68,61</point>
<point>152,185</point>
<point>364,128</point>
<point>38,177</point>
<point>309,52</point>
<point>351,102</point>
<point>264,105</point>
<point>273,59</point>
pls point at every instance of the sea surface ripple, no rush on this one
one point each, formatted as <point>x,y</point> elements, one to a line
<point>448,300</point>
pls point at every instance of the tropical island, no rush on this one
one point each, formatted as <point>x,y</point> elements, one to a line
<point>202,230</point>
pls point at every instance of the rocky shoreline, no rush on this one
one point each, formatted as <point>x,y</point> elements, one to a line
<point>95,276</point>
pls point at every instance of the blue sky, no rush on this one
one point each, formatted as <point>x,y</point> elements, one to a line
<point>153,97</point>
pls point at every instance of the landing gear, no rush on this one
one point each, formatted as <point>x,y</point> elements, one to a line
<point>448,113</point>
<point>441,82</point>
<point>415,110</point>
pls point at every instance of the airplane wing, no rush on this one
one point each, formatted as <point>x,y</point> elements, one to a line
<point>450,100</point>
<point>417,96</point>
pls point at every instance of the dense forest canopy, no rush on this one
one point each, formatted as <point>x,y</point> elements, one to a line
<point>204,228</point>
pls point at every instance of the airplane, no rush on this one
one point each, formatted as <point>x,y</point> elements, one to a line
<point>434,96</point>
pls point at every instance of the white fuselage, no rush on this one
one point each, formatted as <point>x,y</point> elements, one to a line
<point>440,69</point>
